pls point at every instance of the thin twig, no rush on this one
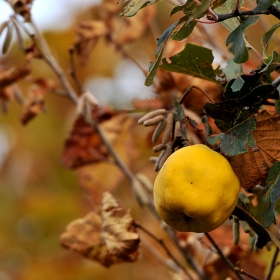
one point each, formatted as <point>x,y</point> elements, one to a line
<point>125,54</point>
<point>73,69</point>
<point>186,254</point>
<point>242,271</point>
<point>190,88</point>
<point>162,244</point>
<point>272,264</point>
<point>53,64</point>
<point>227,261</point>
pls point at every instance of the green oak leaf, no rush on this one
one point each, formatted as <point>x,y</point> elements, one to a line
<point>272,195</point>
<point>134,6</point>
<point>236,38</point>
<point>192,9</point>
<point>232,70</point>
<point>160,44</point>
<point>185,30</point>
<point>228,114</point>
<point>267,37</point>
<point>193,60</point>
<point>237,84</point>
<point>263,5</point>
<point>250,82</point>
<point>236,140</point>
<point>227,8</point>
<point>272,64</point>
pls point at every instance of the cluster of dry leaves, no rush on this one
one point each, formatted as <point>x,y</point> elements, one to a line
<point>108,237</point>
<point>108,234</point>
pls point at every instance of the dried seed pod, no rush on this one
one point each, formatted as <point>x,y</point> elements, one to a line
<point>256,190</point>
<point>159,148</point>
<point>246,227</point>
<point>163,157</point>
<point>168,128</point>
<point>268,245</point>
<point>8,38</point>
<point>244,201</point>
<point>145,181</point>
<point>159,129</point>
<point>153,159</point>
<point>151,115</point>
<point>235,230</point>
<point>153,121</point>
<point>3,26</point>
<point>156,167</point>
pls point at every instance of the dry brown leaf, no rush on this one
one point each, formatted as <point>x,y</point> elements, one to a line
<point>22,7</point>
<point>13,74</point>
<point>132,28</point>
<point>172,82</point>
<point>252,167</point>
<point>84,237</point>
<point>6,93</point>
<point>35,102</point>
<point>213,266</point>
<point>118,229</point>
<point>147,104</point>
<point>84,145</point>
<point>88,32</point>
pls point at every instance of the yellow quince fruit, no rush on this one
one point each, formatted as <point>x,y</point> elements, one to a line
<point>196,189</point>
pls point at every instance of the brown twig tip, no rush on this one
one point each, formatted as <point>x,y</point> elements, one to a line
<point>167,251</point>
<point>242,271</point>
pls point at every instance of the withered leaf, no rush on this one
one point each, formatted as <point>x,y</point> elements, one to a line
<point>35,102</point>
<point>85,236</point>
<point>213,266</point>
<point>88,33</point>
<point>22,7</point>
<point>147,104</point>
<point>84,145</point>
<point>252,167</point>
<point>118,230</point>
<point>14,73</point>
<point>133,28</point>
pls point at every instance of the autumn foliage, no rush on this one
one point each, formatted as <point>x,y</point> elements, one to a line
<point>214,80</point>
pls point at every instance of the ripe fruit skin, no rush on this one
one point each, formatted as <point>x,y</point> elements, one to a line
<point>196,189</point>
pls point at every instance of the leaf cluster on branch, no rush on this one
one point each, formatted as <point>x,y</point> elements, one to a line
<point>197,101</point>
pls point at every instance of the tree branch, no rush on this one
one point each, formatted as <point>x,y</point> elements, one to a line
<point>162,244</point>
<point>221,254</point>
<point>272,264</point>
<point>54,65</point>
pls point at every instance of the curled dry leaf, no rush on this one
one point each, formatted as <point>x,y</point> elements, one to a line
<point>213,266</point>
<point>252,167</point>
<point>22,7</point>
<point>35,102</point>
<point>83,236</point>
<point>118,229</point>
<point>107,239</point>
<point>147,104</point>
<point>13,74</point>
<point>88,32</point>
<point>84,145</point>
<point>133,28</point>
<point>6,93</point>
